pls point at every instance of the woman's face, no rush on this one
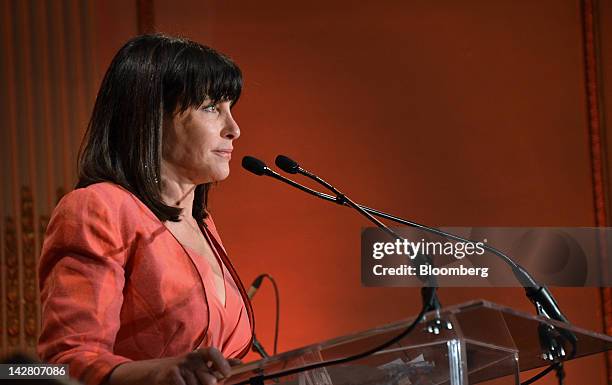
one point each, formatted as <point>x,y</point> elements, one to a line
<point>197,144</point>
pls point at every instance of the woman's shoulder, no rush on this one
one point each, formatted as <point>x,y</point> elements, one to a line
<point>102,190</point>
<point>102,197</point>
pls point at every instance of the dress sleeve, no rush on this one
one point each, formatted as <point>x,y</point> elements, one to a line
<point>81,277</point>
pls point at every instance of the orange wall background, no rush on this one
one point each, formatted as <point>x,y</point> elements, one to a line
<point>449,113</point>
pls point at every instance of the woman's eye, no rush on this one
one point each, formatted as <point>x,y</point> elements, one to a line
<point>210,108</point>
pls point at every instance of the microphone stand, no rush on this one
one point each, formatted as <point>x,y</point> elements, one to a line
<point>539,295</point>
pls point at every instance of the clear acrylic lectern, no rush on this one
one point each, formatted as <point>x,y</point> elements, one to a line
<point>475,342</point>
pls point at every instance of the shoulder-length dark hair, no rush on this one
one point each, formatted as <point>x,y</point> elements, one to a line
<point>151,76</point>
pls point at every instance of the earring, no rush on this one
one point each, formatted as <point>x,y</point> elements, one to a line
<point>155,177</point>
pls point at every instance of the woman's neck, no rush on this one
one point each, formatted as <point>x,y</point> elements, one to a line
<point>177,192</point>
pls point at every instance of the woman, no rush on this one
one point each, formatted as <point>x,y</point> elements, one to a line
<point>136,286</point>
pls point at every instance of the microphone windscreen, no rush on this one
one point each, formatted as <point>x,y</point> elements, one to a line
<point>287,164</point>
<point>254,165</point>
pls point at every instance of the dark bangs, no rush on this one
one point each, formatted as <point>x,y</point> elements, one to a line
<point>197,73</point>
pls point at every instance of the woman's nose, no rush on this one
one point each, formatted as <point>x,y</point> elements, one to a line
<point>231,131</point>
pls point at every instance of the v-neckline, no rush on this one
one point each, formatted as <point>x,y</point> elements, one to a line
<point>204,231</point>
<point>188,250</point>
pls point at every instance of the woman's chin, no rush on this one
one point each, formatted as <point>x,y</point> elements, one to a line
<point>217,176</point>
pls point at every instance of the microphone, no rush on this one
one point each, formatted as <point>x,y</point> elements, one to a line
<point>258,167</point>
<point>287,164</point>
<point>292,167</point>
<point>255,166</point>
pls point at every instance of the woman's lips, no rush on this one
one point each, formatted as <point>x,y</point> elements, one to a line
<point>225,153</point>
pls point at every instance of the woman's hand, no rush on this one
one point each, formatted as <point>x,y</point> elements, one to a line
<point>205,366</point>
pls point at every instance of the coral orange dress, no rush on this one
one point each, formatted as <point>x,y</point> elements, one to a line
<point>116,286</point>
